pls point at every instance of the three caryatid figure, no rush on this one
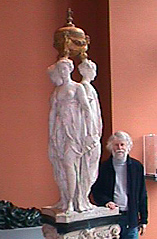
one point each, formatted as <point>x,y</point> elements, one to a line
<point>75,129</point>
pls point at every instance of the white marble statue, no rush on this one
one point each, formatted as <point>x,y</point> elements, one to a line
<point>71,137</point>
<point>88,71</point>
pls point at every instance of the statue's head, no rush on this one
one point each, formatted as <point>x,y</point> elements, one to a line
<point>71,41</point>
<point>67,62</point>
<point>60,71</point>
<point>87,64</point>
<point>87,68</point>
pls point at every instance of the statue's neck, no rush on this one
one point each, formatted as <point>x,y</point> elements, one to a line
<point>86,79</point>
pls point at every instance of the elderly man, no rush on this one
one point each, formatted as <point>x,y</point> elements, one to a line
<point>121,184</point>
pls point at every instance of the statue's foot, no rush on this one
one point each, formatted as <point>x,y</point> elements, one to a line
<point>85,206</point>
<point>70,207</point>
<point>91,206</point>
<point>88,205</point>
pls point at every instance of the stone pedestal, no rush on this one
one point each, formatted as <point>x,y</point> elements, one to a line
<point>104,232</point>
<point>100,223</point>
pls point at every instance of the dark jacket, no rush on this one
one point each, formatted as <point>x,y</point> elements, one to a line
<point>103,189</point>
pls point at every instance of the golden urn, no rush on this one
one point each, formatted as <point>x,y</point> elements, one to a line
<point>71,41</point>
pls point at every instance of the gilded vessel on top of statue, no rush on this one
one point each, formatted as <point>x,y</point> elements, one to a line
<point>71,41</point>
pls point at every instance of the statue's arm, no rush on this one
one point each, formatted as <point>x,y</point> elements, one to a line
<point>82,98</point>
<point>99,117</point>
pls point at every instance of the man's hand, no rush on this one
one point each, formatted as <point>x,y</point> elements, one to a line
<point>111,205</point>
<point>142,229</point>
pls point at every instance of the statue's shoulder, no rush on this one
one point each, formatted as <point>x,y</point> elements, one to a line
<point>81,89</point>
<point>79,85</point>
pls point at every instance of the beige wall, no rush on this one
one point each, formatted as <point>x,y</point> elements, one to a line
<point>133,38</point>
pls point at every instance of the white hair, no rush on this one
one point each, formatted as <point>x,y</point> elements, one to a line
<point>67,61</point>
<point>53,70</point>
<point>120,135</point>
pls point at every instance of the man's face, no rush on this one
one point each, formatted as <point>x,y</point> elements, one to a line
<point>119,149</point>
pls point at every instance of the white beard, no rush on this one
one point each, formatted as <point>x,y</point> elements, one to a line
<point>120,155</point>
